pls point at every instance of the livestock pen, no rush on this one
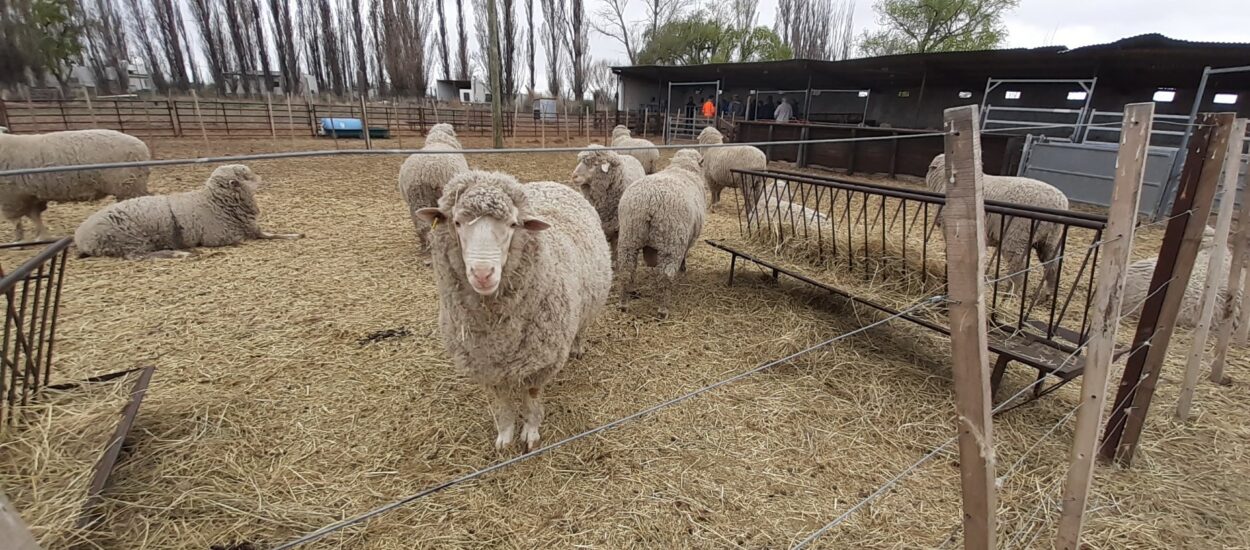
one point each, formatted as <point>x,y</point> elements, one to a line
<point>300,383</point>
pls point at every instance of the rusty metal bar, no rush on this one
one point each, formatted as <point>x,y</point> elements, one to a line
<point>104,467</point>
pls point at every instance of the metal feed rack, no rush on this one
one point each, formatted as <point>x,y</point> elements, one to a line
<point>876,231</point>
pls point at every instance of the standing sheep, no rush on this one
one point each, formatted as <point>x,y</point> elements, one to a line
<point>423,176</point>
<point>648,158</point>
<point>603,175</point>
<point>28,196</point>
<point>1014,246</point>
<point>522,272</point>
<point>222,213</point>
<point>1137,284</point>
<point>719,162</point>
<point>662,216</point>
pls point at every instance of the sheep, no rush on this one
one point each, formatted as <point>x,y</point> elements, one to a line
<point>602,175</point>
<point>719,162</point>
<point>648,158</point>
<point>662,216</point>
<point>28,196</point>
<point>222,213</point>
<point>423,176</point>
<point>1014,244</point>
<point>1137,285</point>
<point>522,272</point>
<point>773,204</point>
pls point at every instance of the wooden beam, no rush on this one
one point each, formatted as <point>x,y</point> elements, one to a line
<point>963,221</point>
<point>1236,290</point>
<point>364,122</point>
<point>1215,271</point>
<point>1190,210</point>
<point>1130,167</point>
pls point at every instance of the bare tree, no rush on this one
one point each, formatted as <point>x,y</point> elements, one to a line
<point>610,22</point>
<point>139,16</point>
<point>167,17</point>
<point>599,82</point>
<point>578,45</point>
<point>530,50</point>
<point>660,13</point>
<point>379,55</point>
<point>212,41</point>
<point>462,54</point>
<point>554,30</point>
<point>105,46</point>
<point>816,29</point>
<point>260,45</point>
<point>284,41</point>
<point>443,51</point>
<point>402,50</point>
<point>509,49</point>
<point>332,53</point>
<point>362,64</point>
<point>310,29</point>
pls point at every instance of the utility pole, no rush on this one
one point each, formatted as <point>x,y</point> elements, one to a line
<point>496,88</point>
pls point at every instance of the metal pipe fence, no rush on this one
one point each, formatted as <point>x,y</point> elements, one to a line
<point>32,296</point>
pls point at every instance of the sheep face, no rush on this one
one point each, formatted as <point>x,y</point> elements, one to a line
<point>486,220</point>
<point>590,165</point>
<point>620,131</point>
<point>234,175</point>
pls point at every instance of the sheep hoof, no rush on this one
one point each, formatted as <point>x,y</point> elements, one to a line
<point>529,434</point>
<point>504,439</point>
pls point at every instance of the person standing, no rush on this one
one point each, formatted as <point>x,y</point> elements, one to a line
<point>709,109</point>
<point>784,111</point>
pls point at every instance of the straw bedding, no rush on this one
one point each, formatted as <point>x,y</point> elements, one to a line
<point>303,382</point>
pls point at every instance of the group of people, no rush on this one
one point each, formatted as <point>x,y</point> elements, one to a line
<point>764,109</point>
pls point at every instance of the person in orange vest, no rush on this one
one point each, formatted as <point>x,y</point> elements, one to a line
<point>709,108</point>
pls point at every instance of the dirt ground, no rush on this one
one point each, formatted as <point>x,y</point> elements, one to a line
<point>302,382</point>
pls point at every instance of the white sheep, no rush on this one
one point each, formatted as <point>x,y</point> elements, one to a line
<point>423,176</point>
<point>648,158</point>
<point>661,215</point>
<point>602,175</point>
<point>775,207</point>
<point>719,162</point>
<point>1137,284</point>
<point>1013,244</point>
<point>222,213</point>
<point>28,196</point>
<point>522,272</point>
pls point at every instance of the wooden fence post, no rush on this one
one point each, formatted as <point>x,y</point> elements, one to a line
<point>200,116</point>
<point>147,116</point>
<point>646,118</point>
<point>964,226</point>
<point>175,122</point>
<point>1236,291</point>
<point>290,119</point>
<point>4,114</point>
<point>1130,167</point>
<point>312,115</point>
<point>1215,272</point>
<point>565,126</point>
<point>225,119</point>
<point>364,122</point>
<point>86,94</point>
<point>1190,211</point>
<point>273,130</point>
<point>117,109</point>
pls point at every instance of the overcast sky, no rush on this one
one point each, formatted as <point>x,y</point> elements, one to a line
<point>1071,23</point>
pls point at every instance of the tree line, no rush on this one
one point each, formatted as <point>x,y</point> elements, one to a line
<point>398,47</point>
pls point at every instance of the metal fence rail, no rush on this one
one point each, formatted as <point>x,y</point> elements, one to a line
<point>32,295</point>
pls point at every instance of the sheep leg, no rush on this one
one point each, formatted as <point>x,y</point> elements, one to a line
<point>628,263</point>
<point>159,255</point>
<point>715,198</point>
<point>671,266</point>
<point>505,416</point>
<point>532,402</point>
<point>36,216</point>
<point>579,346</point>
<point>281,236</point>
<point>19,233</point>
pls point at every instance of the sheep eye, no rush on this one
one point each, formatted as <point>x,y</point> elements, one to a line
<point>457,223</point>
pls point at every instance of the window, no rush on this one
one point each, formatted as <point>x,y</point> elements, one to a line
<point>965,95</point>
<point>863,93</point>
<point>1012,94</point>
<point>1226,99</point>
<point>904,93</point>
<point>1165,96</point>
<point>1077,96</point>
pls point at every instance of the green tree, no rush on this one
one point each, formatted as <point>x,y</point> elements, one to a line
<point>920,26</point>
<point>698,39</point>
<point>60,37</point>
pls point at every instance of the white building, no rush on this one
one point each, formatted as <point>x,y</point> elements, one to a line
<point>464,91</point>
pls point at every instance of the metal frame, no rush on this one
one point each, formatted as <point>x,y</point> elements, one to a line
<point>32,295</point>
<point>1174,176</point>
<point>668,111</point>
<point>991,84</point>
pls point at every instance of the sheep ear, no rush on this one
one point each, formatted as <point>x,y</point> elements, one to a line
<point>604,167</point>
<point>535,224</point>
<point>431,215</point>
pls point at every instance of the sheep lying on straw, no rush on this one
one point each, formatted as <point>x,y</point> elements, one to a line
<point>1014,245</point>
<point>423,176</point>
<point>223,213</point>
<point>775,208</point>
<point>28,196</point>
<point>661,215</point>
<point>648,158</point>
<point>1137,284</point>
<point>522,272</point>
<point>718,162</point>
<point>603,175</point>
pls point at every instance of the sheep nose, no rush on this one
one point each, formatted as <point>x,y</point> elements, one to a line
<point>482,273</point>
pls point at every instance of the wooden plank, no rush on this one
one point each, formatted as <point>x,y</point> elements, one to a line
<point>1117,251</point>
<point>1236,290</point>
<point>963,222</point>
<point>1215,272</point>
<point>200,116</point>
<point>273,130</point>
<point>1200,177</point>
<point>364,122</point>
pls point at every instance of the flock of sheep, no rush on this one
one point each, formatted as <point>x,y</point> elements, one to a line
<point>522,269</point>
